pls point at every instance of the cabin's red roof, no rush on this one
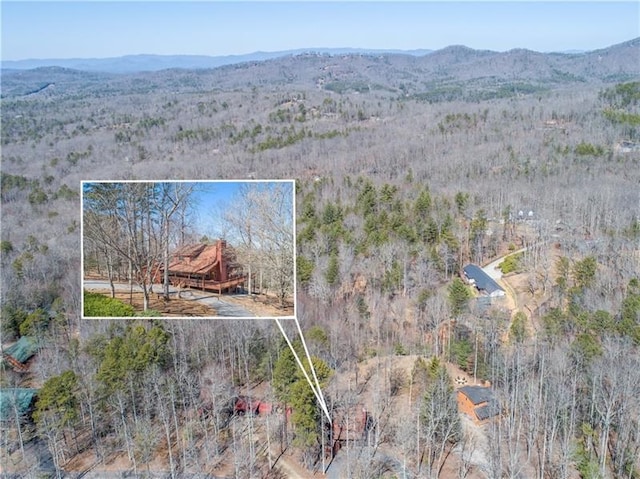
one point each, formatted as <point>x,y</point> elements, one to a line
<point>196,259</point>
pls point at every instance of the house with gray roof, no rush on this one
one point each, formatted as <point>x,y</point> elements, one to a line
<point>475,275</point>
<point>478,402</point>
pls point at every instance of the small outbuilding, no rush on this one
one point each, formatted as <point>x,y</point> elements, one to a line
<point>475,275</point>
<point>478,402</point>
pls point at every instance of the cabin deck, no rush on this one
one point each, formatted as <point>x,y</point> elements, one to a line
<point>208,285</point>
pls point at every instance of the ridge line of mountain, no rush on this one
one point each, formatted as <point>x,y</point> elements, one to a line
<point>153,62</point>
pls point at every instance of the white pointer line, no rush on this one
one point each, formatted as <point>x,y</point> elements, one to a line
<point>317,392</point>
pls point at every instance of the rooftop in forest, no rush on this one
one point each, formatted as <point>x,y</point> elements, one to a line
<point>15,401</point>
<point>481,280</point>
<point>21,351</point>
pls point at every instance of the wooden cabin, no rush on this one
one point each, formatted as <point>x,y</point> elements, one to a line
<point>478,402</point>
<point>17,355</point>
<point>211,267</point>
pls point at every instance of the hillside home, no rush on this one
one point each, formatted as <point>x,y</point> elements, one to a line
<point>477,402</point>
<point>16,402</point>
<point>474,275</point>
<point>18,354</point>
<point>205,266</point>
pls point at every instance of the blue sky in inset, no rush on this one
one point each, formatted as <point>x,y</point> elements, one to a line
<point>213,199</point>
<point>210,200</point>
<point>99,29</point>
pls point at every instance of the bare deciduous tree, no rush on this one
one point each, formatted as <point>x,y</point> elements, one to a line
<point>261,217</point>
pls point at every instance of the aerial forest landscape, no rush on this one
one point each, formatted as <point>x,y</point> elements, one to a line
<point>449,239</point>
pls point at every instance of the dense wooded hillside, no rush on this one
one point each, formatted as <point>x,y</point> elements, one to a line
<point>407,168</point>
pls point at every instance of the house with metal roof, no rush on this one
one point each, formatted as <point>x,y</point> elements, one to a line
<point>205,266</point>
<point>18,354</point>
<point>478,402</point>
<point>475,275</point>
<point>16,402</point>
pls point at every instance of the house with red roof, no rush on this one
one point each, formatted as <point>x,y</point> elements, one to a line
<point>206,266</point>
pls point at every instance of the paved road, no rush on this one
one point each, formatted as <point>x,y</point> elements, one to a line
<point>224,309</point>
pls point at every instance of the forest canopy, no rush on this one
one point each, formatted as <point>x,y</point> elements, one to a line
<point>405,171</point>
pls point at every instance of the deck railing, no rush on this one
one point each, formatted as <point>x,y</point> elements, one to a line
<point>208,284</point>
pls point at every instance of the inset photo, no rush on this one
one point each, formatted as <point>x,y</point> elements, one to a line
<point>185,249</point>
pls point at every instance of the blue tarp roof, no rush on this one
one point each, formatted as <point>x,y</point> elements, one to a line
<point>481,279</point>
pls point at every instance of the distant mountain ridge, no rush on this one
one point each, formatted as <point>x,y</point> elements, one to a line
<point>452,73</point>
<point>150,62</point>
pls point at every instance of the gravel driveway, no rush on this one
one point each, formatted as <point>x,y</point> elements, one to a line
<point>223,308</point>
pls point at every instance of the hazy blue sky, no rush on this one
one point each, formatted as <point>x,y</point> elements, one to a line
<point>104,29</point>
